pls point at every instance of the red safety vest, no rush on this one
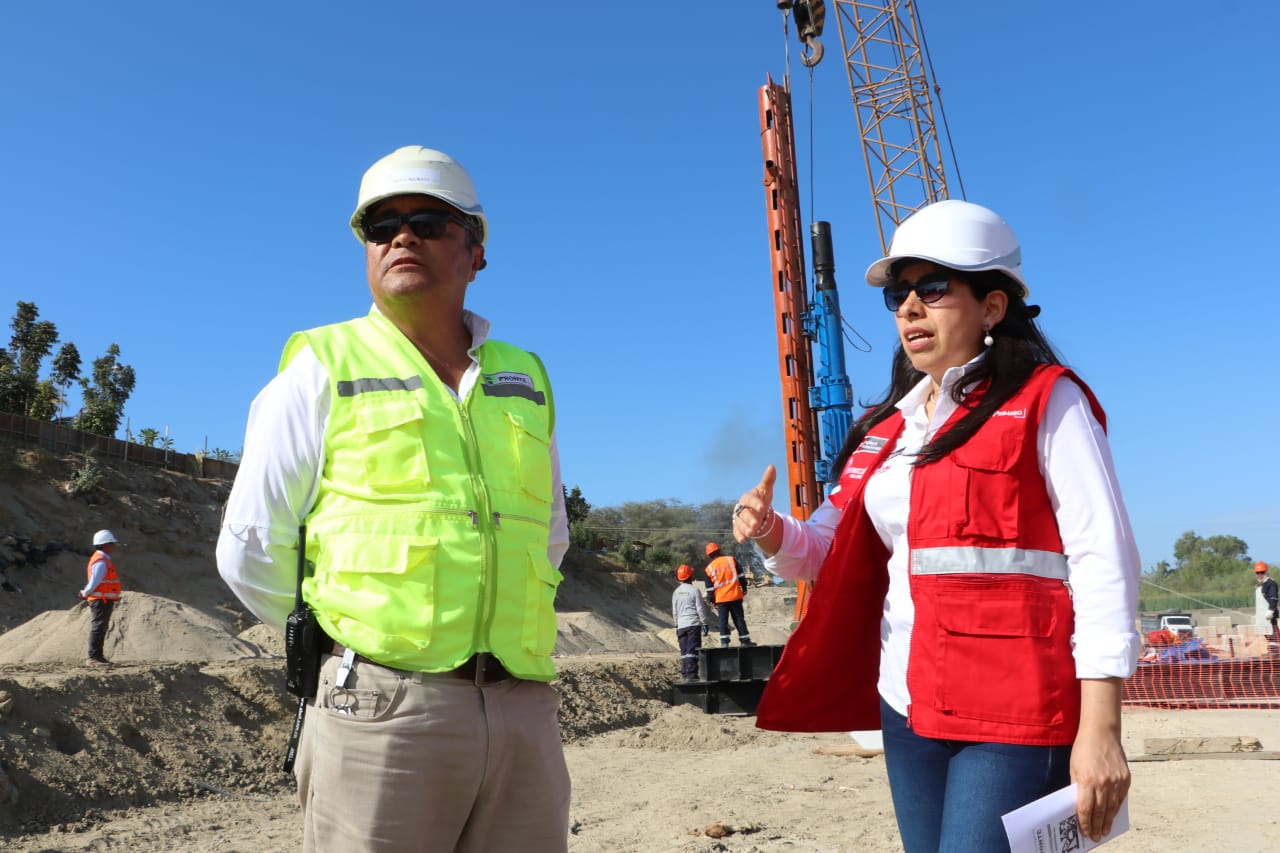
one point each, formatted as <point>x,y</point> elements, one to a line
<point>109,588</point>
<point>990,656</point>
<point>723,574</point>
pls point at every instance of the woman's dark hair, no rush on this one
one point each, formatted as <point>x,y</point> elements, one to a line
<point>1019,348</point>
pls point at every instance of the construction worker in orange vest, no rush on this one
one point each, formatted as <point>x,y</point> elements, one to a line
<point>728,587</point>
<point>102,591</point>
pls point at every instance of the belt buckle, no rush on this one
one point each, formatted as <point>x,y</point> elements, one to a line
<point>482,660</point>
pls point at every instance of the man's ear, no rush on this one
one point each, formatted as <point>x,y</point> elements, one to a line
<point>478,262</point>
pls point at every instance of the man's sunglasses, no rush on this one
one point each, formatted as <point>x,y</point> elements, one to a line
<point>928,290</point>
<point>428,224</point>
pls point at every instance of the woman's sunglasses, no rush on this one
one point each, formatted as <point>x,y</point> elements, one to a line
<point>928,290</point>
<point>425,224</point>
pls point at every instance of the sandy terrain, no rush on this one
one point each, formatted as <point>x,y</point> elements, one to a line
<point>177,747</point>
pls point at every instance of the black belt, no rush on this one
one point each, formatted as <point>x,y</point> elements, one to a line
<point>481,669</point>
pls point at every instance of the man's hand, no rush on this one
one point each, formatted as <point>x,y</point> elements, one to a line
<point>80,594</point>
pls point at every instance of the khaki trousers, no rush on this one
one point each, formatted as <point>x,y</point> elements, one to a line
<point>402,762</point>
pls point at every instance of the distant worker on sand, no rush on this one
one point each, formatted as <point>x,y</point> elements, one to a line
<point>691,622</point>
<point>1267,594</point>
<point>400,484</point>
<point>102,591</point>
<point>728,586</point>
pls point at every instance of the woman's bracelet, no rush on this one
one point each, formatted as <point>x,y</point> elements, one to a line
<point>773,520</point>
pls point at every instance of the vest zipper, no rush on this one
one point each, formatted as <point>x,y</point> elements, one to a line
<point>487,594</point>
<point>470,513</point>
<point>498,516</point>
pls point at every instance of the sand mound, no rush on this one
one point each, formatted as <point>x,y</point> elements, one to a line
<point>143,628</point>
<point>268,639</point>
<point>586,633</point>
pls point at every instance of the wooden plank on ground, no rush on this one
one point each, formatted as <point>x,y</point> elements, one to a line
<point>1197,745</point>
<point>847,749</point>
<point>1196,756</point>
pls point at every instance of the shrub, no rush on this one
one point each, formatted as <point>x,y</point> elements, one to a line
<point>87,478</point>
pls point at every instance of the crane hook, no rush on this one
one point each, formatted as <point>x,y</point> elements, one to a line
<point>813,55</point>
<point>810,16</point>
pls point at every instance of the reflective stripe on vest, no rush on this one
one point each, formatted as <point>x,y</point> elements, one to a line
<point>429,530</point>
<point>723,573</point>
<point>989,561</point>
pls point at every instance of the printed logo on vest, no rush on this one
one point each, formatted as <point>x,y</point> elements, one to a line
<point>857,473</point>
<point>871,444</point>
<point>512,384</point>
<point>1011,413</point>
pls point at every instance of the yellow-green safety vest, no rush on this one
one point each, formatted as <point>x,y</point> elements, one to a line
<point>429,532</point>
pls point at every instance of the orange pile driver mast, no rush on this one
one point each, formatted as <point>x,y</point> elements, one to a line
<point>795,363</point>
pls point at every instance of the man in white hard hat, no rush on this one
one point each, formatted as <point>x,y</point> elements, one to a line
<point>409,462</point>
<point>102,591</point>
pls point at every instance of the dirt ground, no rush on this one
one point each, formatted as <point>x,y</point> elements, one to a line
<point>178,746</point>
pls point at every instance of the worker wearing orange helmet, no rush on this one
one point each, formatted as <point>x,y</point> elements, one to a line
<point>691,622</point>
<point>1266,595</point>
<point>727,586</point>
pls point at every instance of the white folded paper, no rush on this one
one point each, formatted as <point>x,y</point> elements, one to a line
<point>1049,825</point>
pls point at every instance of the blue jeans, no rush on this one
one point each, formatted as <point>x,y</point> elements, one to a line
<point>948,795</point>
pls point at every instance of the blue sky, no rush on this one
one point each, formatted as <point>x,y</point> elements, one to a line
<point>178,181</point>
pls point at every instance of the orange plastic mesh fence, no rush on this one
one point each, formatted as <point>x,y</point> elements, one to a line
<point>1236,670</point>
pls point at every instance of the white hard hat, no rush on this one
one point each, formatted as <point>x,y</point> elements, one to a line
<point>957,234</point>
<point>414,170</point>
<point>104,537</point>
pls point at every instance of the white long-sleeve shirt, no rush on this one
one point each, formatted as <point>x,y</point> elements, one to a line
<point>687,607</point>
<point>97,572</point>
<point>1103,567</point>
<point>279,476</point>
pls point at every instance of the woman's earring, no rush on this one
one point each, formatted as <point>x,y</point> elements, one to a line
<point>988,340</point>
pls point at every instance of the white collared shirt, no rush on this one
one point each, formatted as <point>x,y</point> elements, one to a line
<point>1103,567</point>
<point>279,477</point>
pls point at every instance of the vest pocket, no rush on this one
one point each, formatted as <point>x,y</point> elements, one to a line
<point>379,587</point>
<point>532,448</point>
<point>1002,655</point>
<point>539,637</point>
<point>393,452</point>
<point>990,487</point>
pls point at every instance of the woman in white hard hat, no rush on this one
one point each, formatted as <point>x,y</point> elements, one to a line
<point>978,538</point>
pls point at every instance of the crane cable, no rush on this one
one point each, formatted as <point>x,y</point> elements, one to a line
<point>942,110</point>
<point>861,344</point>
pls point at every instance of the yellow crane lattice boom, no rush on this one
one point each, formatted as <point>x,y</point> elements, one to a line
<point>888,79</point>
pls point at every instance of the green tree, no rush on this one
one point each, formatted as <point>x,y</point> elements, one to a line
<point>1213,556</point>
<point>631,556</point>
<point>10,385</point>
<point>31,342</point>
<point>575,505</point>
<point>148,436</point>
<point>105,395</point>
<point>44,403</point>
<point>1206,571</point>
<point>66,370</point>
